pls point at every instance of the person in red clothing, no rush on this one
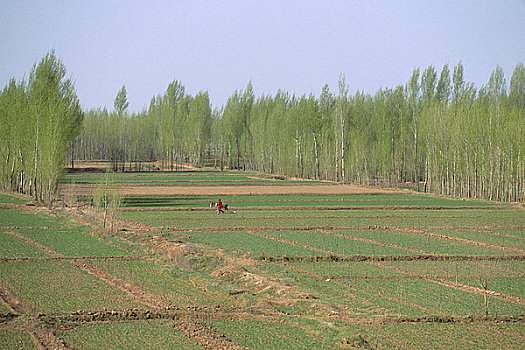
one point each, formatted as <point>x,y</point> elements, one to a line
<point>219,206</point>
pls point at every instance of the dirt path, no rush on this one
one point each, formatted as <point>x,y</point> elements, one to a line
<point>10,300</point>
<point>206,337</point>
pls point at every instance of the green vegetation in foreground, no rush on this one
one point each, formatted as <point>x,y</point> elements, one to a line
<point>433,298</point>
<point>430,336</point>
<point>14,247</point>
<point>132,335</point>
<point>352,219</point>
<point>246,243</point>
<point>174,285</point>
<point>60,287</point>
<point>426,244</point>
<point>271,335</point>
<point>15,217</point>
<point>72,242</point>
<point>12,338</point>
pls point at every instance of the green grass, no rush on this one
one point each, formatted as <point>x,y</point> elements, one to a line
<point>427,244</point>
<point>441,335</point>
<point>436,298</point>
<point>72,242</point>
<point>245,243</point>
<point>60,287</point>
<point>13,338</point>
<point>132,335</point>
<point>13,247</point>
<point>174,286</point>
<point>343,269</point>
<point>519,233</point>
<point>474,218</point>
<point>508,286</point>
<point>13,198</point>
<point>270,335</point>
<point>451,269</point>
<point>334,244</point>
<point>15,217</point>
<point>484,237</point>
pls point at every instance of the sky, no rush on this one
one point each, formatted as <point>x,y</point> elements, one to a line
<point>219,46</point>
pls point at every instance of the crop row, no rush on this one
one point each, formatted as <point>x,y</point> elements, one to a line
<point>130,335</point>
<point>13,199</point>
<point>270,201</point>
<point>172,284</point>
<point>19,218</point>
<point>293,243</point>
<point>397,291</point>
<point>335,218</point>
<point>271,335</point>
<point>12,338</point>
<point>13,247</point>
<point>60,287</point>
<point>430,336</point>
<point>71,242</point>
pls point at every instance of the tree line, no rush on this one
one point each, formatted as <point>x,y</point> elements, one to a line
<point>437,131</point>
<point>39,121</point>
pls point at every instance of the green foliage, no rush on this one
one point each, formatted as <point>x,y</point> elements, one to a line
<point>39,121</point>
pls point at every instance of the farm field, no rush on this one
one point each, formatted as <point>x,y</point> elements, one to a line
<point>291,264</point>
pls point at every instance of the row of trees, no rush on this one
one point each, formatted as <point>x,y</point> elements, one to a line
<point>175,129</point>
<point>39,121</point>
<point>437,131</point>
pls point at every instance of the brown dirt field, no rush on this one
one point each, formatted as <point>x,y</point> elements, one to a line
<point>141,190</point>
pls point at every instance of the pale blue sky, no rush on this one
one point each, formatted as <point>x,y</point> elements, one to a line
<point>219,46</point>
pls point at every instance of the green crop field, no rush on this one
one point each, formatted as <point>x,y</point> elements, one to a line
<point>71,241</point>
<point>13,338</point>
<point>13,247</point>
<point>60,287</point>
<point>377,269</point>
<point>136,335</point>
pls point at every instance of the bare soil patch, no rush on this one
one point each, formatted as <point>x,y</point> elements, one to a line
<point>223,190</point>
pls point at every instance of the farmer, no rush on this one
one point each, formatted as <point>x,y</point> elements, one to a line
<point>219,206</point>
